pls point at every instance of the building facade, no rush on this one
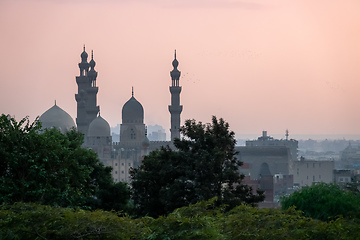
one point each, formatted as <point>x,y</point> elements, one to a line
<point>308,172</point>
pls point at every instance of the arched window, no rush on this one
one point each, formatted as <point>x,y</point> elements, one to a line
<point>132,134</point>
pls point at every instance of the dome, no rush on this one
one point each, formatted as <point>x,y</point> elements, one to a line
<point>132,112</point>
<point>58,118</point>
<point>99,127</point>
<point>175,63</point>
<point>92,62</point>
<point>84,55</point>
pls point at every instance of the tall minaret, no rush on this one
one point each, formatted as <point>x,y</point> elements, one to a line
<point>87,91</point>
<point>175,108</point>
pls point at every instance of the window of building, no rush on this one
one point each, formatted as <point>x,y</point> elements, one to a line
<point>129,164</point>
<point>319,176</point>
<point>313,178</point>
<point>115,164</point>
<point>115,172</point>
<point>132,134</point>
<point>122,164</point>
<point>313,165</point>
<point>122,172</point>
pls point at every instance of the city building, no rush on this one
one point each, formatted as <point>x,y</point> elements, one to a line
<point>269,141</point>
<point>307,172</point>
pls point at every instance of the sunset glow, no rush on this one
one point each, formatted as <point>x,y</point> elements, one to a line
<point>260,64</point>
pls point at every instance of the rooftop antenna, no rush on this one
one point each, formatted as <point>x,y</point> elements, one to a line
<point>287,134</point>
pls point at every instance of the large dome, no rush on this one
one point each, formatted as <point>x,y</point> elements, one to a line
<point>58,118</point>
<point>132,112</point>
<point>99,127</point>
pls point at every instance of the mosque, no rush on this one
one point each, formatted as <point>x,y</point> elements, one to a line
<point>270,164</point>
<point>134,144</point>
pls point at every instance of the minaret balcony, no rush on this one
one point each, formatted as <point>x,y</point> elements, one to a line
<point>175,90</point>
<point>175,109</point>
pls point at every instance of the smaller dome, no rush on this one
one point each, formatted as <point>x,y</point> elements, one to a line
<point>99,127</point>
<point>84,55</point>
<point>132,111</point>
<point>58,118</point>
<point>92,63</point>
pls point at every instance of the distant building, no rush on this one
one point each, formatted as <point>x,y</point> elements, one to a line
<point>307,172</point>
<point>268,141</point>
<point>273,163</point>
<point>350,157</point>
<point>264,160</point>
<point>343,176</point>
<point>156,133</point>
<point>265,165</point>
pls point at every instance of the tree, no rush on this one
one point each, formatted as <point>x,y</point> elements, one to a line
<point>203,166</point>
<point>324,201</point>
<point>49,167</point>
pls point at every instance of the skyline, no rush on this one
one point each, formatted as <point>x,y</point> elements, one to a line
<point>260,65</point>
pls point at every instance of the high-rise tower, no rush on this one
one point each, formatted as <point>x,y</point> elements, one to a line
<point>87,109</point>
<point>175,108</point>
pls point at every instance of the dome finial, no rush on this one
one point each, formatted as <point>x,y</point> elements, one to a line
<point>55,102</point>
<point>132,91</point>
<point>84,47</point>
<point>175,54</point>
<point>92,54</point>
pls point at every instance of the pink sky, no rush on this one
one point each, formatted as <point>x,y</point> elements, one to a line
<point>261,64</point>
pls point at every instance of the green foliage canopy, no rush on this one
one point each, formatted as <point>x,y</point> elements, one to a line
<point>324,201</point>
<point>203,166</point>
<point>49,167</point>
<point>199,221</point>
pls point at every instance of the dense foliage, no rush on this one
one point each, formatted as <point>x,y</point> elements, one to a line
<point>49,167</point>
<point>33,221</point>
<point>203,166</point>
<point>200,221</point>
<point>324,201</point>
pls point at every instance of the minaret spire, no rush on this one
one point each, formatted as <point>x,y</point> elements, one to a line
<point>175,108</point>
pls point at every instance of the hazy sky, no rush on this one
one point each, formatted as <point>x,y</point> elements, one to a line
<point>259,64</point>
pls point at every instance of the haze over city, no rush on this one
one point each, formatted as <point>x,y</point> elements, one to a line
<point>260,65</point>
